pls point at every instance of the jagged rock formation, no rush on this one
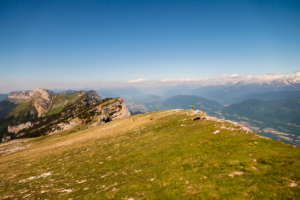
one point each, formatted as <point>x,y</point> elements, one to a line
<point>117,110</point>
<point>21,95</point>
<point>78,113</point>
<point>93,94</point>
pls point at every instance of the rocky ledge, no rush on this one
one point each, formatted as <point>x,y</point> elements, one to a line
<point>16,129</point>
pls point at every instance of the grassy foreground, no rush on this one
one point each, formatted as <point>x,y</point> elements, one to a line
<point>169,157</point>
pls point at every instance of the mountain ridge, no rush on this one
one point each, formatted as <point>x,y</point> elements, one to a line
<point>75,114</point>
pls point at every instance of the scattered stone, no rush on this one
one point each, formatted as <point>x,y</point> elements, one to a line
<point>293,184</point>
<point>254,168</point>
<point>35,177</point>
<point>66,190</point>
<point>81,181</point>
<point>235,173</point>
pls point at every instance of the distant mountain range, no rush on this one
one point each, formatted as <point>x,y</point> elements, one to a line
<point>67,92</point>
<point>268,96</point>
<point>225,94</point>
<point>119,92</point>
<point>229,93</point>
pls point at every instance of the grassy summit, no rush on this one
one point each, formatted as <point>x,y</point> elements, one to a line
<point>169,157</point>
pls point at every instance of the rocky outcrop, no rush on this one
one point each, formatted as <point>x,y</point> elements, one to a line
<point>45,94</point>
<point>17,128</point>
<point>21,95</point>
<point>117,110</point>
<point>42,100</point>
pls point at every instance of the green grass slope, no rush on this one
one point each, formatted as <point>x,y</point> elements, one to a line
<point>169,157</point>
<point>24,109</point>
<point>60,101</point>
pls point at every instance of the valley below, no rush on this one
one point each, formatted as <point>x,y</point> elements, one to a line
<point>277,119</point>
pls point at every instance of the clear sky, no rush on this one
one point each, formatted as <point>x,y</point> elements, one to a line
<point>69,44</point>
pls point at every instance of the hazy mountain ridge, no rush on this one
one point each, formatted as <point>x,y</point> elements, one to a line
<point>227,93</point>
<point>66,92</point>
<point>268,96</point>
<point>154,103</point>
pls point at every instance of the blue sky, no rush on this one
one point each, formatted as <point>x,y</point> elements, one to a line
<point>69,44</point>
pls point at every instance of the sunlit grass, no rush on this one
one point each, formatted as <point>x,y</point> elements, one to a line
<point>169,157</point>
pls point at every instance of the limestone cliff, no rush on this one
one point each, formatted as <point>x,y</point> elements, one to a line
<point>16,129</point>
<point>41,100</point>
<point>117,110</point>
<point>21,95</point>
